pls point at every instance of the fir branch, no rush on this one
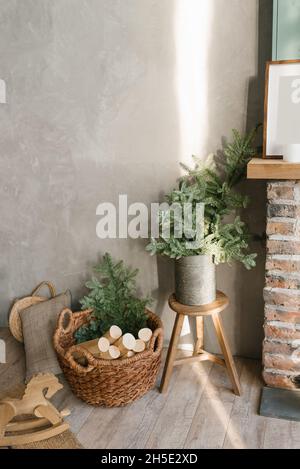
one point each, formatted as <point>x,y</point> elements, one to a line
<point>113,300</point>
<point>205,183</point>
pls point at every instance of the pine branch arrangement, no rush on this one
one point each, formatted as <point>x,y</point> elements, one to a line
<point>214,187</point>
<point>113,299</point>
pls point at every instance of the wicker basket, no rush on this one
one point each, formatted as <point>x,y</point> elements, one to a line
<point>110,383</point>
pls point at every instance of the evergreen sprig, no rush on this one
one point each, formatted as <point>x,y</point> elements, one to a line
<point>214,187</point>
<point>113,299</point>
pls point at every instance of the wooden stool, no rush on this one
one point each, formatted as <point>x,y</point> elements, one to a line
<point>213,309</point>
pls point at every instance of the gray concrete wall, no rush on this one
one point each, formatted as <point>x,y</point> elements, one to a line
<point>96,108</point>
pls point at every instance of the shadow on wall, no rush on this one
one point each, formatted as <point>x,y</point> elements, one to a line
<point>251,284</point>
<point>214,95</point>
<point>243,110</point>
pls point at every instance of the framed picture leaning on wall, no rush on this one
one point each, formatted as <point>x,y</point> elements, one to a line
<point>282,108</point>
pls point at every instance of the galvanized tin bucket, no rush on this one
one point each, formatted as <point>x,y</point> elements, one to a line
<point>195,280</point>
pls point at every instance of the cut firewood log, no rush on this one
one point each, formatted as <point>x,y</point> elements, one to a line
<point>92,346</point>
<point>96,346</point>
<point>129,354</point>
<point>139,346</point>
<point>145,335</point>
<point>103,344</point>
<point>112,354</point>
<point>113,334</point>
<point>125,343</point>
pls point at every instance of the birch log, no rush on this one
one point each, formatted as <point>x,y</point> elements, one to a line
<point>112,354</point>
<point>139,346</point>
<point>145,335</point>
<point>113,334</point>
<point>92,346</point>
<point>100,348</point>
<point>103,344</point>
<point>96,346</point>
<point>125,343</point>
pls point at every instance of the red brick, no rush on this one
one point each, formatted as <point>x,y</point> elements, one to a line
<point>283,265</point>
<point>282,293</point>
<point>283,210</point>
<point>271,346</point>
<point>287,298</point>
<point>277,281</point>
<point>283,247</point>
<point>278,191</point>
<point>276,380</point>
<point>272,314</point>
<point>281,362</point>
<point>281,227</point>
<point>274,332</point>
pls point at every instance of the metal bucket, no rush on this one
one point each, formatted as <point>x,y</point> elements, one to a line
<point>195,280</point>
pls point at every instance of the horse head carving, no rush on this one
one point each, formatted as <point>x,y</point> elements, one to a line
<point>47,383</point>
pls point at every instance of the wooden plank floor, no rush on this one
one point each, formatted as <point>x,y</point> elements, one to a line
<point>198,411</point>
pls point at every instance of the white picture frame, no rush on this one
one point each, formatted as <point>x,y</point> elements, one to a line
<point>282,113</point>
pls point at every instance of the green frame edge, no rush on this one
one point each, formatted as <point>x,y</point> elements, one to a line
<point>275,29</point>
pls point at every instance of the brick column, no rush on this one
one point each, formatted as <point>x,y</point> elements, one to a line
<point>281,352</point>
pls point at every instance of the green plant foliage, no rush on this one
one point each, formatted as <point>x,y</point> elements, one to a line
<point>214,187</point>
<point>113,299</point>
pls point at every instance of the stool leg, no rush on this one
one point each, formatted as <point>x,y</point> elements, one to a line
<point>230,365</point>
<point>171,352</point>
<point>199,331</point>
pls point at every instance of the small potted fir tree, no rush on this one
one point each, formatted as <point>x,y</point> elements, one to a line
<point>210,186</point>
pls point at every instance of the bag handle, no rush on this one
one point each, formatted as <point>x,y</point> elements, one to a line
<point>45,284</point>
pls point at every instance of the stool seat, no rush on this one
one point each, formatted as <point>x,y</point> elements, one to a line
<point>199,312</point>
<point>221,303</point>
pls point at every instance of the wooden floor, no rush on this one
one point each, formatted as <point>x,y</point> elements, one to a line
<point>199,411</point>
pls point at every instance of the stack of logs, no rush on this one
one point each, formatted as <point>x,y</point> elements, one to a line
<point>115,345</point>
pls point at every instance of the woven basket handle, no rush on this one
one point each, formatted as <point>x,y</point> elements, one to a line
<point>65,321</point>
<point>77,350</point>
<point>156,341</point>
<point>44,284</point>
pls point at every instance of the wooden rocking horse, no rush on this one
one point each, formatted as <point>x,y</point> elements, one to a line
<point>45,420</point>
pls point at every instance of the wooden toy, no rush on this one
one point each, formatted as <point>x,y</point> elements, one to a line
<point>42,421</point>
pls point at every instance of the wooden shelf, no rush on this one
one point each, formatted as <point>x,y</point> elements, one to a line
<point>259,168</point>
